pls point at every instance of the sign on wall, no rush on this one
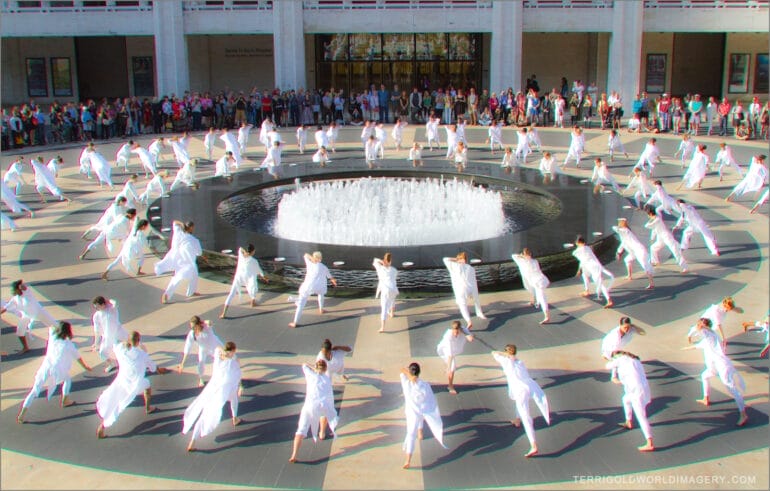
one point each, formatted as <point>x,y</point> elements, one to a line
<point>738,74</point>
<point>144,76</point>
<point>61,77</point>
<point>761,78</point>
<point>37,82</point>
<point>656,73</point>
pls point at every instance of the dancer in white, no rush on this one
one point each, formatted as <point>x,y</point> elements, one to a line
<point>370,151</point>
<point>7,223</point>
<point>25,306</point>
<point>495,136</point>
<point>522,146</point>
<point>415,155</point>
<point>146,159</point>
<point>108,330</point>
<point>451,140</point>
<point>591,269</point>
<point>202,333</point>
<point>686,148</point>
<point>272,161</point>
<point>129,191</point>
<point>116,230</point>
<point>521,388</point>
<point>14,175</point>
<point>123,155</point>
<point>331,134</point>
<point>316,275</point>
<point>461,131</point>
<point>246,272</point>
<point>321,138</point>
<point>180,152</point>
<point>131,256</point>
<point>649,157</point>
<point>209,142</point>
<point>602,177</point>
<point>636,393</point>
<point>725,159</point>
<point>387,289</point>
<point>55,369</point>
<point>463,278</point>
<point>643,188</point>
<point>420,406</point>
<point>534,281</point>
<point>231,145</point>
<point>661,237</point>
<point>185,176</point>
<point>156,186</point>
<point>615,145</point>
<point>115,210</point>
<point>54,165</point>
<point>398,133</point>
<point>548,167</point>
<point>366,132</point>
<point>155,149</point>
<point>101,168</point>
<point>508,161</point>
<point>663,200</point>
<point>9,198</point>
<point>321,157</point>
<point>431,132</point>
<point>318,411</point>
<point>382,136</point>
<point>223,165</point>
<point>635,250</point>
<point>266,127</point>
<point>576,145</point>
<point>618,337</point>
<point>695,223</point>
<point>243,136</point>
<point>461,156</point>
<point>534,138</point>
<point>334,356</point>
<point>717,313</point>
<point>44,179</point>
<point>133,363</point>
<point>754,180</point>
<point>762,326</point>
<point>84,162</point>
<point>182,259</point>
<point>697,170</point>
<point>717,363</point>
<point>450,346</point>
<point>301,138</point>
<point>202,416</point>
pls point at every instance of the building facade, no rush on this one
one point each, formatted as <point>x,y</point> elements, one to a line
<point>73,50</point>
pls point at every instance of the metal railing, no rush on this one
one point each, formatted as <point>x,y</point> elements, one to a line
<point>395,4</point>
<point>560,4</point>
<point>707,4</point>
<point>225,5</point>
<point>11,7</point>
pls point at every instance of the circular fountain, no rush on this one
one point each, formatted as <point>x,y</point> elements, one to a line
<point>420,216</point>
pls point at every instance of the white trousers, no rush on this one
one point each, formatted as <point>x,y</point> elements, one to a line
<point>66,387</point>
<point>708,238</point>
<point>462,303</point>
<point>196,433</point>
<point>189,273</point>
<point>301,300</point>
<point>634,405</point>
<point>711,372</point>
<point>387,302</point>
<point>601,287</point>
<point>521,409</point>
<point>672,245</point>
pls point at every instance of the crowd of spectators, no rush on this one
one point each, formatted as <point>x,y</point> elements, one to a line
<point>567,105</point>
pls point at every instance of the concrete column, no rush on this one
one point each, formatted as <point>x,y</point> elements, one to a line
<point>505,51</point>
<point>171,64</point>
<point>625,51</point>
<point>289,44</point>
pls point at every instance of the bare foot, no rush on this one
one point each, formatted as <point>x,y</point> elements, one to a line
<point>382,329</point>
<point>67,402</point>
<point>586,293</point>
<point>627,425</point>
<point>321,311</point>
<point>100,431</point>
<point>546,320</point>
<point>164,299</point>
<point>420,434</point>
<point>196,294</point>
<point>151,410</point>
<point>742,420</point>
<point>705,401</point>
<point>293,460</point>
<point>405,466</point>
<point>516,422</point>
<point>222,316</point>
<point>649,287</point>
<point>141,273</point>
<point>609,304</point>
<point>481,316</point>
<point>532,452</point>
<point>647,447</point>
<point>292,324</point>
<point>104,276</point>
<point>237,421</point>
<point>452,390</point>
<point>191,447</point>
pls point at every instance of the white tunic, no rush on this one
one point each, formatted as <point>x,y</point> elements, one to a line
<point>588,261</point>
<point>335,366</point>
<point>13,176</point>
<point>716,360</point>
<point>521,386</point>
<point>209,142</point>
<point>450,346</point>
<point>208,341</point>
<point>548,167</point>
<point>419,402</point>
<point>495,133</point>
<point>321,139</point>
<point>101,167</point>
<point>386,276</point>
<point>130,382</point>
<point>630,372</point>
<point>319,401</point>
<point>697,170</point>
<point>146,159</point>
<point>315,278</point>
<point>124,154</point>
<point>463,278</point>
<point>246,272</point>
<point>615,340</point>
<point>132,251</point>
<point>755,179</point>
<point>206,409</point>
<point>222,167</point>
<point>107,325</point>
<point>182,157</point>
<point>631,244</point>
<point>55,369</point>
<point>44,178</point>
<point>9,198</point>
<point>231,145</point>
<point>531,275</point>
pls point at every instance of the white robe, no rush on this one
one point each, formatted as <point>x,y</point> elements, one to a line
<point>319,402</point>
<point>495,133</point>
<point>55,369</point>
<point>696,171</point>
<point>44,179</point>
<point>521,388</point>
<point>9,198</point>
<point>184,176</point>
<point>222,167</point>
<point>301,139</point>
<point>264,129</point>
<point>603,177</point>
<point>246,272</point>
<point>243,137</point>
<point>335,366</point>
<point>131,256</point>
<point>450,346</point>
<point>209,142</point>
<point>755,179</point>
<point>123,155</point>
<point>636,390</point>
<point>180,153</point>
<point>548,167</point>
<point>532,278</point>
<point>155,186</point>
<point>634,249</point>
<point>27,308</point>
<point>14,176</point>
<point>129,192</point>
<point>130,382</point>
<point>387,288</point>
<point>420,405</point>
<point>147,161</point>
<point>320,158</point>
<point>108,327</point>
<point>321,139</point>
<point>205,411</point>
<point>614,341</point>
<point>101,167</point>
<point>231,145</point>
